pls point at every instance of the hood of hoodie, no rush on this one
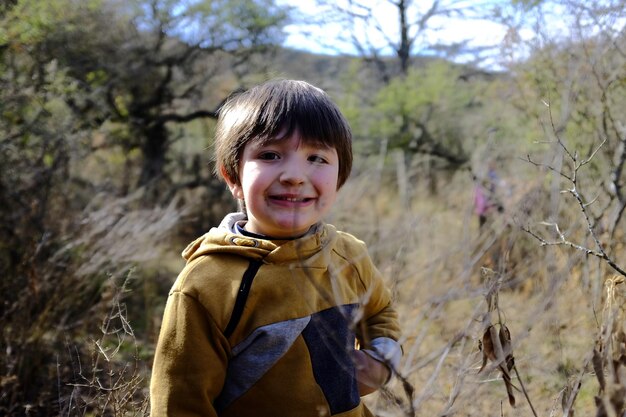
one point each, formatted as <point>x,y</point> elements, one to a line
<point>311,250</point>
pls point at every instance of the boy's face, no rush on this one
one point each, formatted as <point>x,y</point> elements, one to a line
<point>288,185</point>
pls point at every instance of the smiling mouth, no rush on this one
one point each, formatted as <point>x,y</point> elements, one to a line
<point>292,199</point>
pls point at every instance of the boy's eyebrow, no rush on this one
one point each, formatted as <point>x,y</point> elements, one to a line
<point>321,146</point>
<point>315,143</point>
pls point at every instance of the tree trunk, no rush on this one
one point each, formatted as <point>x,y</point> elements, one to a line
<point>154,150</point>
<point>404,51</point>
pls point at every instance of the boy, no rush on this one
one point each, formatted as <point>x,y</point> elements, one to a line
<point>263,318</point>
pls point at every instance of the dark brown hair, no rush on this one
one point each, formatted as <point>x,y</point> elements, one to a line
<point>275,110</point>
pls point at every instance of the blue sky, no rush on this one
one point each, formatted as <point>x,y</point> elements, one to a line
<point>324,38</point>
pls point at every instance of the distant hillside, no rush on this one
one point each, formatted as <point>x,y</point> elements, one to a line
<point>326,71</point>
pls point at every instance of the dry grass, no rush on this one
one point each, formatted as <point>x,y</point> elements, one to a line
<point>442,268</point>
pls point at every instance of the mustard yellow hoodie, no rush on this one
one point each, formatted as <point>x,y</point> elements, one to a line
<point>288,352</point>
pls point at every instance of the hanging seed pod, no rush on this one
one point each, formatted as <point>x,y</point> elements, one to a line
<point>505,341</point>
<point>496,347</point>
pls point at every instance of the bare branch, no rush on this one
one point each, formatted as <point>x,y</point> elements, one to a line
<point>548,167</point>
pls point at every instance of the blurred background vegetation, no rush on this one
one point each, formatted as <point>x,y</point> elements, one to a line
<point>107,109</point>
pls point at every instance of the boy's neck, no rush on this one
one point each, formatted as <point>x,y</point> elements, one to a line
<point>241,230</point>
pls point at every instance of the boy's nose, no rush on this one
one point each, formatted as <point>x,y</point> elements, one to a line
<point>293,173</point>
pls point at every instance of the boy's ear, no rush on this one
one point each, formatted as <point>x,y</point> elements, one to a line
<point>233,186</point>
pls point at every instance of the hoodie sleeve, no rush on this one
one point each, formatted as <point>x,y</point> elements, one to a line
<point>377,316</point>
<point>380,330</point>
<point>190,360</point>
<point>380,317</point>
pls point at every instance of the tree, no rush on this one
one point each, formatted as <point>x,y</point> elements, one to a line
<point>397,42</point>
<point>143,65</point>
<point>390,34</point>
<point>422,112</point>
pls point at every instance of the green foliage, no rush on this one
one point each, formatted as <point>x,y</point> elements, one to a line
<point>423,92</point>
<point>527,4</point>
<point>355,99</point>
<point>423,111</point>
<point>238,23</point>
<point>30,22</point>
<point>228,25</point>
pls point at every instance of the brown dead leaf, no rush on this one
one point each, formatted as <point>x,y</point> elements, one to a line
<point>487,348</point>
<point>496,347</point>
<point>507,348</point>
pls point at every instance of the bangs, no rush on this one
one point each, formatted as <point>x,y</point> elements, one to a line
<point>305,109</point>
<point>309,133</point>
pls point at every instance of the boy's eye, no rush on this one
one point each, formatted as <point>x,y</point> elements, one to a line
<point>317,159</point>
<point>268,156</point>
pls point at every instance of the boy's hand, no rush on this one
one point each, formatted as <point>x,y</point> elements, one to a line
<point>370,373</point>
